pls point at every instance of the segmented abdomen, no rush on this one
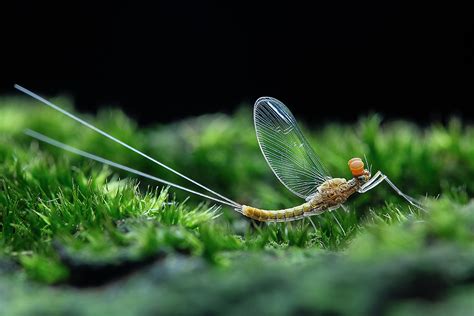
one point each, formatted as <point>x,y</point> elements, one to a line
<point>286,215</point>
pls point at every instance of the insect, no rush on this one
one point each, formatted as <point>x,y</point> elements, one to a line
<point>288,154</point>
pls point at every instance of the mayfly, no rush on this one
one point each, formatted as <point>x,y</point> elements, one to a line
<point>286,151</point>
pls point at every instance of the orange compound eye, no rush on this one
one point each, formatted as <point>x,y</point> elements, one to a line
<point>357,167</point>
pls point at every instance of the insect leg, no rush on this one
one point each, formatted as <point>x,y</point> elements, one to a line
<point>382,177</point>
<point>312,223</point>
<point>345,208</point>
<point>340,226</point>
<point>370,182</point>
<point>410,200</point>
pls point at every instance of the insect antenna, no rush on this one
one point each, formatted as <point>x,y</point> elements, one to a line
<point>369,166</point>
<point>98,130</point>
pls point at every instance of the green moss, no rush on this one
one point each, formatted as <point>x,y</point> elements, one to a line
<point>68,221</point>
<point>43,269</point>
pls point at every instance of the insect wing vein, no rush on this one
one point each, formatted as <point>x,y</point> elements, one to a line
<point>286,150</point>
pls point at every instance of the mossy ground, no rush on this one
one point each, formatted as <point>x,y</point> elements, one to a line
<point>78,237</point>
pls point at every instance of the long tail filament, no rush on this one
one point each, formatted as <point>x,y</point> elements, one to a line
<point>221,199</point>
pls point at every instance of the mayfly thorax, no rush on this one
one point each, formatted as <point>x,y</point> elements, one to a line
<point>287,152</point>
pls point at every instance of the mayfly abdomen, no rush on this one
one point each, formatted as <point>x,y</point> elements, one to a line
<point>285,215</point>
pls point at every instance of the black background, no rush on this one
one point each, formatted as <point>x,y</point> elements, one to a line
<point>328,60</point>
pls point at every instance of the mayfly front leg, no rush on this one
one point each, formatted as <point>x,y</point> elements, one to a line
<point>378,178</point>
<point>372,183</point>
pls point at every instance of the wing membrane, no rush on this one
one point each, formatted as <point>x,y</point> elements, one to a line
<point>286,150</point>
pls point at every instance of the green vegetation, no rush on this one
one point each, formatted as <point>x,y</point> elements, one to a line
<point>78,237</point>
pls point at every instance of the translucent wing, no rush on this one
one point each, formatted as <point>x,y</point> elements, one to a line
<point>286,150</point>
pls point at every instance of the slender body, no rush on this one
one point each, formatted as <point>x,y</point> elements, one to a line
<point>330,195</point>
<point>286,151</point>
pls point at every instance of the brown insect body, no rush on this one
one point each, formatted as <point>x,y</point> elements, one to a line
<point>330,195</point>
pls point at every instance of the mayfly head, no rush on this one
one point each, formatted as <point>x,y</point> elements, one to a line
<point>356,165</point>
